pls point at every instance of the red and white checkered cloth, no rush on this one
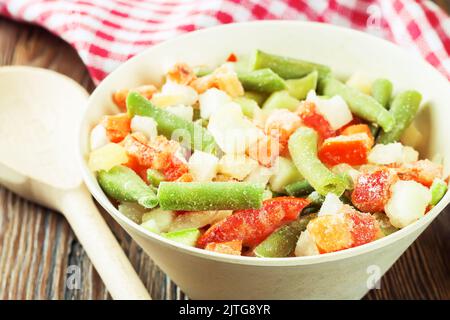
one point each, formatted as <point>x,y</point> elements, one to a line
<point>107,32</point>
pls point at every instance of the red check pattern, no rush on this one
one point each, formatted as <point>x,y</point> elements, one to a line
<point>107,32</point>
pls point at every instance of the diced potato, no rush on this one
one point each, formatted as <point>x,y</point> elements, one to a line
<point>386,153</point>
<point>331,205</point>
<point>408,203</point>
<point>237,166</point>
<point>173,94</point>
<point>232,131</point>
<point>107,157</point>
<point>260,174</point>
<point>306,245</point>
<point>285,172</point>
<point>145,125</point>
<point>132,211</point>
<point>151,226</point>
<point>98,137</point>
<point>360,81</point>
<point>203,166</point>
<point>187,237</point>
<point>182,111</point>
<point>335,110</point>
<point>211,100</point>
<point>198,219</point>
<point>412,136</point>
<point>409,154</point>
<point>161,218</point>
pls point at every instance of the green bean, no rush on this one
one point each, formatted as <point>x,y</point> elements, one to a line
<point>249,106</point>
<point>299,88</point>
<point>299,188</point>
<point>155,177</point>
<point>438,190</point>
<point>187,237</point>
<point>282,242</point>
<point>200,196</point>
<point>403,109</point>
<point>170,124</point>
<point>280,100</point>
<point>382,91</point>
<point>123,184</point>
<point>316,199</point>
<point>285,67</point>
<point>359,103</point>
<point>303,149</point>
<point>264,80</point>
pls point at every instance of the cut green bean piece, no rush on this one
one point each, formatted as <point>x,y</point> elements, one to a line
<point>258,97</point>
<point>249,106</point>
<point>187,237</point>
<point>155,177</point>
<point>299,188</point>
<point>382,91</point>
<point>264,80</point>
<point>316,199</point>
<point>361,104</point>
<point>286,67</point>
<point>299,88</point>
<point>303,149</point>
<point>438,190</point>
<point>123,184</point>
<point>403,109</point>
<point>170,125</point>
<point>282,242</point>
<point>280,100</point>
<point>199,196</point>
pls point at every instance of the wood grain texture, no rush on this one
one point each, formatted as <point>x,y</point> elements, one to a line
<point>38,250</point>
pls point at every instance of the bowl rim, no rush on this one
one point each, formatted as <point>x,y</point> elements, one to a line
<point>98,194</point>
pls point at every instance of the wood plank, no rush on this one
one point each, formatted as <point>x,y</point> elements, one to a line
<point>37,247</point>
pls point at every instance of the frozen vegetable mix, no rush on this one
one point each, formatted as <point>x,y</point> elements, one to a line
<point>265,156</point>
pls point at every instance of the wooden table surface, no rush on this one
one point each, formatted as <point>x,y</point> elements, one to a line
<point>38,250</point>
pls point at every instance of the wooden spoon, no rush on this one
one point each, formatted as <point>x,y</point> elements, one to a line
<point>40,111</point>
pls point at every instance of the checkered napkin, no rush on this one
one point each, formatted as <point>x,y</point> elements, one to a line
<point>107,32</point>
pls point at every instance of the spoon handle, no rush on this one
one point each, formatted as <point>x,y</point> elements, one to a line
<point>102,247</point>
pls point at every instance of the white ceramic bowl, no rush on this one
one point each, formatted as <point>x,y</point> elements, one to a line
<point>347,274</point>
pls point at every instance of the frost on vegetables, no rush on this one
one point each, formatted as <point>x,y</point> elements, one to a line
<point>269,156</point>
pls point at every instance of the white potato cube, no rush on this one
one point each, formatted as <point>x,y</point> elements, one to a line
<point>409,154</point>
<point>162,219</point>
<point>331,205</point>
<point>306,245</point>
<point>335,110</point>
<point>182,111</point>
<point>145,125</point>
<point>198,219</point>
<point>360,81</point>
<point>408,203</point>
<point>386,153</point>
<point>284,173</point>
<point>237,166</point>
<point>260,175</point>
<point>232,131</point>
<point>106,157</point>
<point>98,137</point>
<point>211,100</point>
<point>173,93</point>
<point>203,166</point>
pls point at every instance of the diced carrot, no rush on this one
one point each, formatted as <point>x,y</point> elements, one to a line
<point>232,58</point>
<point>344,149</point>
<point>372,190</point>
<point>422,171</point>
<point>364,228</point>
<point>120,97</point>
<point>313,119</point>
<point>229,247</point>
<point>253,225</point>
<point>359,128</point>
<point>139,150</point>
<point>355,120</point>
<point>117,126</point>
<point>265,150</point>
<point>181,73</point>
